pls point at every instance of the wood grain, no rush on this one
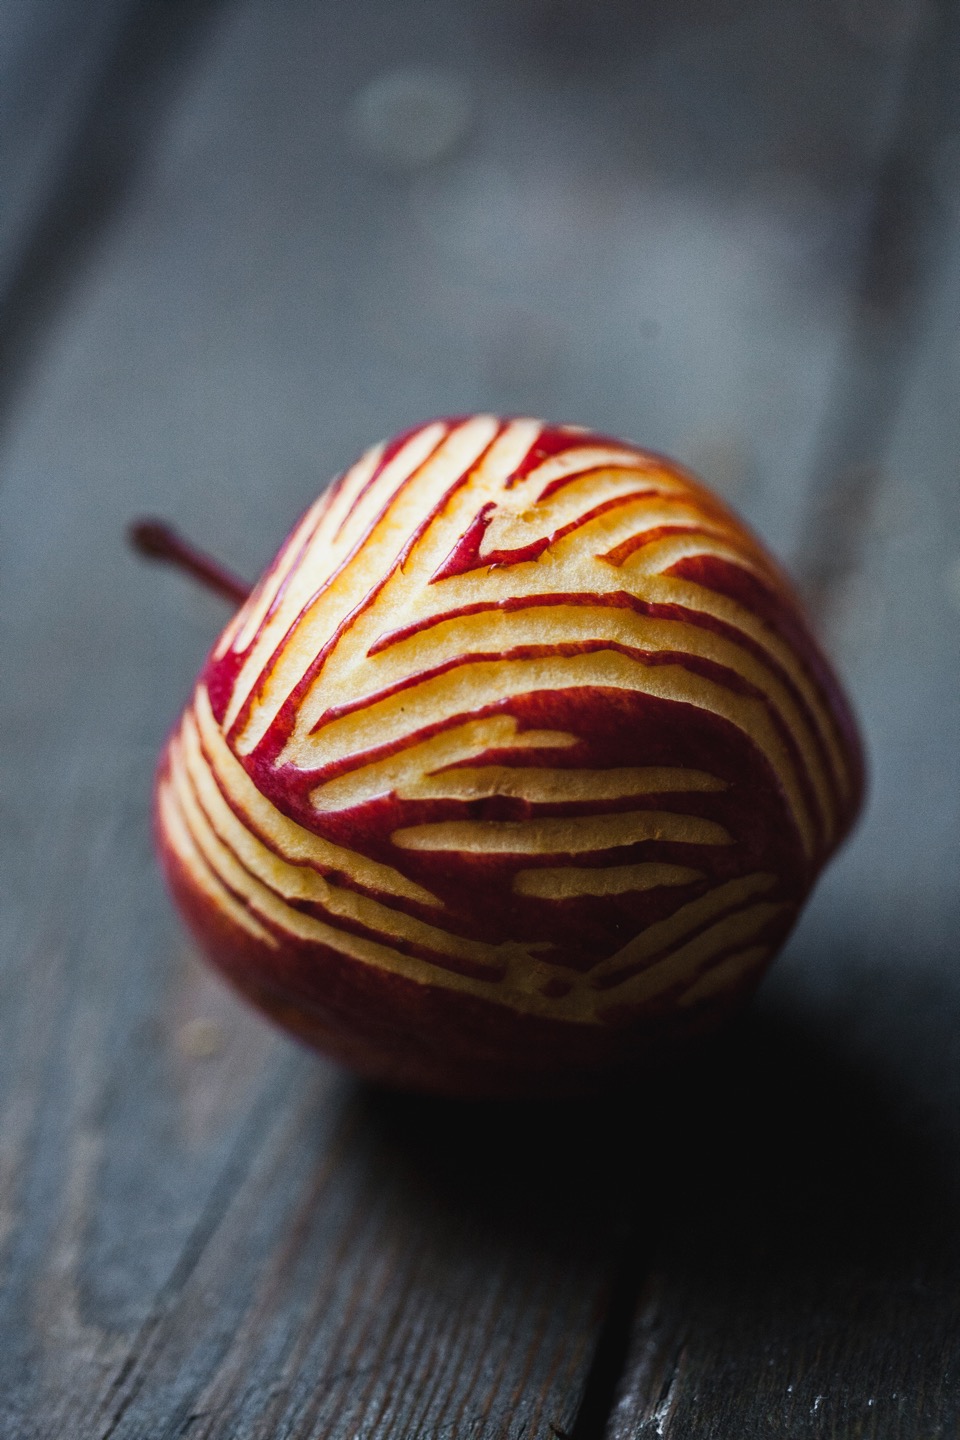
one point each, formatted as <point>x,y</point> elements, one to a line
<point>203,1231</point>
<point>825,1287</point>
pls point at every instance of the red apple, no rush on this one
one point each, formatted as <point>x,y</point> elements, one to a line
<point>514,770</point>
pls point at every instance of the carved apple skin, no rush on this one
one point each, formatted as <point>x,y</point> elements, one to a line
<point>513,772</point>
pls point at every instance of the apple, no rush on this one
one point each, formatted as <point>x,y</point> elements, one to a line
<point>513,772</point>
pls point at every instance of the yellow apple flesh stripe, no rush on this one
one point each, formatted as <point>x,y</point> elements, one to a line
<point>727,973</point>
<point>555,787</point>
<point>404,773</point>
<point>567,835</point>
<point>569,882</point>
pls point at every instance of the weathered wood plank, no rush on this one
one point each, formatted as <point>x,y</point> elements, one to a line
<point>810,1290</point>
<point>80,89</point>
<point>411,1271</point>
<point>51,57</point>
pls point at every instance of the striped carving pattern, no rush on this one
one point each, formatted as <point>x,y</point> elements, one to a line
<point>519,714</point>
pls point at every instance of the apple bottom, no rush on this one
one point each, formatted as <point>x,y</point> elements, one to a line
<point>426,1038</point>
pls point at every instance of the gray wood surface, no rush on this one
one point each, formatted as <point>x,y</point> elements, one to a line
<point>272,235</point>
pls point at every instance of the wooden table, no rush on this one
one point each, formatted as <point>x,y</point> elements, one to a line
<point>239,243</point>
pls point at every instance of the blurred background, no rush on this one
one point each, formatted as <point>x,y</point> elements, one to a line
<point>298,227</point>
<point>239,242</point>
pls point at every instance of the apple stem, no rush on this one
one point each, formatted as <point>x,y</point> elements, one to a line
<point>159,541</point>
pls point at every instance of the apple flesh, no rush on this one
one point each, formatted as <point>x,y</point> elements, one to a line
<point>513,772</point>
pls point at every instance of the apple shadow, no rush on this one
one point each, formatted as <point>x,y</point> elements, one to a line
<point>774,1164</point>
